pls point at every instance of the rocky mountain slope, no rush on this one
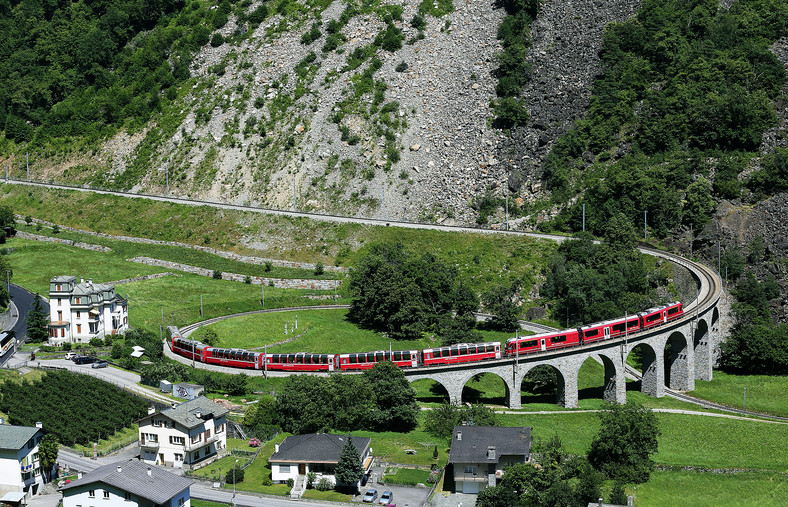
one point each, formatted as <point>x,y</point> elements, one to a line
<point>252,130</point>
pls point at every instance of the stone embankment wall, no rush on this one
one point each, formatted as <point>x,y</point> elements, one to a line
<point>281,283</point>
<point>69,242</point>
<point>247,259</point>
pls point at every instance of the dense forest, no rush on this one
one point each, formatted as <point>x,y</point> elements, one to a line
<point>81,68</point>
<point>678,113</point>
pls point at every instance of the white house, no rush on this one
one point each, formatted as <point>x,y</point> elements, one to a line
<point>313,452</point>
<point>126,484</point>
<point>479,454</point>
<point>84,310</point>
<point>20,468</point>
<point>184,435</point>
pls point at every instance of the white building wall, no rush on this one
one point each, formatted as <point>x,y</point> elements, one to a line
<point>166,441</point>
<point>11,476</point>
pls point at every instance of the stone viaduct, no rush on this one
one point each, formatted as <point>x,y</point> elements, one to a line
<point>689,356</point>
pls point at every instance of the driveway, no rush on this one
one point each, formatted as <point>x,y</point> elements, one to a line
<point>404,496</point>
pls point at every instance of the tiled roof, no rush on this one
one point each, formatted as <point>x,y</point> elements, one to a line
<point>186,413</point>
<point>315,448</point>
<point>14,437</point>
<point>137,478</point>
<point>475,441</point>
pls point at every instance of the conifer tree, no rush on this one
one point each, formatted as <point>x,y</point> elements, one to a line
<point>349,469</point>
<point>37,320</point>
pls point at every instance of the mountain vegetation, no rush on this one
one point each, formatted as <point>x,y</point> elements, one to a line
<point>687,91</point>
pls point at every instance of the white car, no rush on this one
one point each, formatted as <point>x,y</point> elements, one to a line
<point>386,498</point>
<point>70,355</point>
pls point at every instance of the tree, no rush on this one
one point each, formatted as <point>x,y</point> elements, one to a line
<point>698,203</point>
<point>395,407</point>
<point>440,421</point>
<point>496,496</point>
<point>207,335</point>
<point>619,232</point>
<point>349,469</point>
<point>47,450</point>
<point>7,218</point>
<point>500,301</point>
<point>235,474</point>
<point>626,440</point>
<point>37,319</point>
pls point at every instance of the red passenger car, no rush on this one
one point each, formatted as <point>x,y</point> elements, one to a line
<point>543,341</point>
<point>366,360</point>
<point>235,358</point>
<point>462,353</point>
<point>190,349</point>
<point>300,361</point>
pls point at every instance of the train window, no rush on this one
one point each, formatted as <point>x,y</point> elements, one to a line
<point>353,359</point>
<point>591,333</point>
<point>652,318</point>
<point>397,356</point>
<point>371,357</point>
<point>632,323</point>
<point>673,310</point>
<point>291,358</point>
<point>380,356</point>
<point>618,327</point>
<point>558,339</point>
<point>528,343</point>
<point>490,348</point>
<point>299,359</point>
<point>462,351</point>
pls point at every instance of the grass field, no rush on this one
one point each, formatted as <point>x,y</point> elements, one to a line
<point>406,476</point>
<point>764,393</point>
<point>482,259</point>
<point>702,489</point>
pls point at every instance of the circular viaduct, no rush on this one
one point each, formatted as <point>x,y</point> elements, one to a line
<point>692,341</point>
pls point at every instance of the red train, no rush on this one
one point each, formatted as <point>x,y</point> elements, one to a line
<point>461,353</point>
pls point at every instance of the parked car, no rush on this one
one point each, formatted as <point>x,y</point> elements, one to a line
<point>84,360</point>
<point>70,355</point>
<point>370,496</point>
<point>99,364</point>
<point>386,498</point>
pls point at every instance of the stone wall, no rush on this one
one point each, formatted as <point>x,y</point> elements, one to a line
<point>247,259</point>
<point>69,242</point>
<point>281,283</point>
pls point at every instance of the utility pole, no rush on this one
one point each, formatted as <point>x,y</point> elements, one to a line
<point>200,305</point>
<point>262,292</point>
<point>691,239</point>
<point>719,258</point>
<point>27,164</point>
<point>507,212</point>
<point>745,400</point>
<point>167,176</point>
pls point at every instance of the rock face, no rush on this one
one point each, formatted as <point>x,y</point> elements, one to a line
<point>449,155</point>
<point>567,37</point>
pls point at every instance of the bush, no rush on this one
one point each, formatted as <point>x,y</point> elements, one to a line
<point>401,67</point>
<point>234,475</point>
<point>390,39</point>
<point>290,483</point>
<point>217,275</point>
<point>312,35</point>
<point>217,40</point>
<point>259,14</point>
<point>66,346</point>
<point>268,266</point>
<point>247,279</point>
<point>324,485</point>
<point>319,269</point>
<point>55,229</point>
<point>96,342</point>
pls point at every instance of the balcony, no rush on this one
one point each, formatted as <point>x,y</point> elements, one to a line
<point>148,444</point>
<point>461,477</point>
<point>200,444</point>
<point>26,468</point>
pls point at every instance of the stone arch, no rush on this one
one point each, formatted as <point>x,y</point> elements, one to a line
<point>653,379</point>
<point>679,363</point>
<point>435,393</point>
<point>613,381</point>
<point>505,400</point>
<point>701,344</point>
<point>560,382</point>
<point>454,394</point>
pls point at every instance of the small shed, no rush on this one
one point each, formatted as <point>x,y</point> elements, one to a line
<point>165,386</point>
<point>187,391</point>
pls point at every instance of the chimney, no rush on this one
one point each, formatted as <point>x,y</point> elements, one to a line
<point>601,502</point>
<point>79,475</point>
<point>491,452</point>
<point>276,448</point>
<point>39,424</point>
<point>151,410</point>
<point>119,469</point>
<point>198,414</point>
<point>150,474</point>
<point>81,280</point>
<point>630,501</point>
<point>459,435</point>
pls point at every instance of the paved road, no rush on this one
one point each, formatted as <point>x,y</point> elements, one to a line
<point>16,317</point>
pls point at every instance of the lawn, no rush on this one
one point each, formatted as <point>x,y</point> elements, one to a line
<point>406,476</point>
<point>390,446</point>
<point>686,440</point>
<point>764,393</point>
<point>116,441</point>
<point>696,489</point>
<point>322,331</point>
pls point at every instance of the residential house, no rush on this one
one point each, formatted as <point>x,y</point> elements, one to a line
<point>479,454</point>
<point>184,435</point>
<point>126,484</point>
<point>21,474</point>
<point>84,310</point>
<point>313,452</point>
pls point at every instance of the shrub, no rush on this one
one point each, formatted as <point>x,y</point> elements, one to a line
<point>319,269</point>
<point>217,275</point>
<point>290,483</point>
<point>254,442</point>
<point>324,485</point>
<point>96,342</point>
<point>66,346</point>
<point>234,475</point>
<point>247,279</point>
<point>401,67</point>
<point>259,14</point>
<point>217,40</point>
<point>29,220</point>
<point>55,229</point>
<point>259,102</point>
<point>312,35</point>
<point>268,266</point>
<point>390,39</point>
<point>418,22</point>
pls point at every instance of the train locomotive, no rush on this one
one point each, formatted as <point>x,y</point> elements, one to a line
<point>454,354</point>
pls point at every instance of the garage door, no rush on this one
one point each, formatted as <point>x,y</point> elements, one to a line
<point>470,487</point>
